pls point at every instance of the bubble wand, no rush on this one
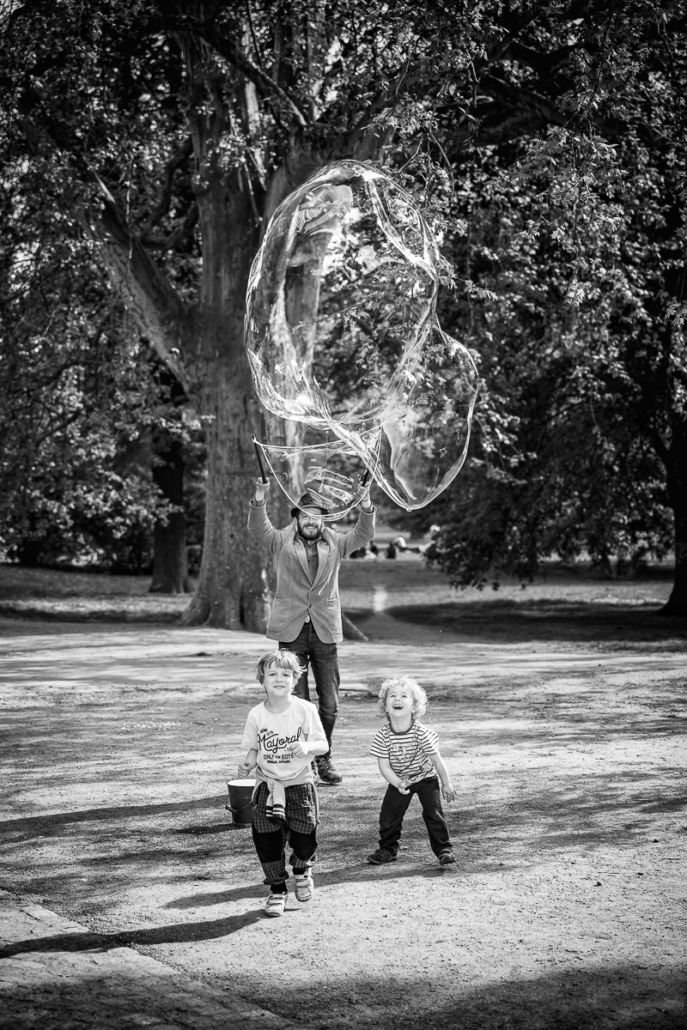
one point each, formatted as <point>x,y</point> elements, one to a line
<point>263,477</point>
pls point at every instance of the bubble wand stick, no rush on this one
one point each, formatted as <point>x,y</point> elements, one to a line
<point>263,477</point>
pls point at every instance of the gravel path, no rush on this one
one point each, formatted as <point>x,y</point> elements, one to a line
<point>130,893</point>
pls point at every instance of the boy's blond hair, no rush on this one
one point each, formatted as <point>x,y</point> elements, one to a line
<point>420,699</point>
<point>282,659</point>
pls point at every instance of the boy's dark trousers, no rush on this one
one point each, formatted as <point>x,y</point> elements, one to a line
<point>395,806</point>
<point>299,828</point>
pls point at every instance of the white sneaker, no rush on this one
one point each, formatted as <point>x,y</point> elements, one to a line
<point>275,904</point>
<point>305,888</point>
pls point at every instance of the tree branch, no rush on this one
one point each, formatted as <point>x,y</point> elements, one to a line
<point>155,305</point>
<point>232,53</point>
<point>543,63</point>
<point>165,200</point>
<point>177,235</point>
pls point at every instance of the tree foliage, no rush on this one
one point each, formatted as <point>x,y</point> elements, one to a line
<point>574,260</point>
<point>80,403</point>
<point>546,140</point>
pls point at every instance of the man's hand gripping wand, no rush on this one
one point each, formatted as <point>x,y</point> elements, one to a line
<point>258,455</point>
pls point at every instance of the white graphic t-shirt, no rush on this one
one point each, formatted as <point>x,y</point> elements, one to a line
<point>273,735</point>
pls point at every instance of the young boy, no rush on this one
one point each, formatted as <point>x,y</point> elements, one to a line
<point>408,757</point>
<point>282,736</point>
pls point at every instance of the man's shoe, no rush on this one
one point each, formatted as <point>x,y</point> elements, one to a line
<point>380,857</point>
<point>275,904</point>
<point>327,772</point>
<point>305,888</point>
<point>446,858</point>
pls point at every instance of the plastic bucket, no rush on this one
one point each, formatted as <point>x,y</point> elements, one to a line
<point>240,801</point>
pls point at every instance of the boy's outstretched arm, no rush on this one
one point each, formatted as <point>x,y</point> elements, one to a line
<point>389,775</point>
<point>448,791</point>
<point>248,764</point>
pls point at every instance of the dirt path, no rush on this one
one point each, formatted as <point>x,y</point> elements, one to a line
<point>566,907</point>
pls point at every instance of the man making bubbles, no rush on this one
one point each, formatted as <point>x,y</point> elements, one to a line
<point>306,613</point>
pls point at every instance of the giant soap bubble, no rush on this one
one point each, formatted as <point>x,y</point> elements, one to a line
<point>342,337</point>
<point>328,468</point>
<point>425,428</point>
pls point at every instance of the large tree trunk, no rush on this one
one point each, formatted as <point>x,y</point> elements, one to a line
<point>676,466</point>
<point>208,357</point>
<point>204,347</point>
<point>235,585</point>
<point>233,590</point>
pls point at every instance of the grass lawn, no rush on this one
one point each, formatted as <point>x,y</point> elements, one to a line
<point>573,604</point>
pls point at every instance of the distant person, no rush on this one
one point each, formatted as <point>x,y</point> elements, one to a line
<point>306,613</point>
<point>408,756</point>
<point>395,546</point>
<point>282,735</point>
<point>429,549</point>
<point>368,552</point>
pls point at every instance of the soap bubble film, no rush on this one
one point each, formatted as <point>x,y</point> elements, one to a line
<point>426,424</point>
<point>329,469</point>
<point>343,284</point>
<point>342,335</point>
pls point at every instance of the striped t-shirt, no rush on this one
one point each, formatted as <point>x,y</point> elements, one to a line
<point>408,753</point>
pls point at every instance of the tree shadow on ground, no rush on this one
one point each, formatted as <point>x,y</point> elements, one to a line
<point>358,873</point>
<point>583,811</point>
<point>171,933</point>
<point>523,825</point>
<point>51,823</point>
<point>504,621</point>
<point>124,1002</point>
<point>202,930</point>
<point>623,997</point>
<point>188,932</point>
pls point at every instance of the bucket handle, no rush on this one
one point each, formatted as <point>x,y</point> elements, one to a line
<point>237,811</point>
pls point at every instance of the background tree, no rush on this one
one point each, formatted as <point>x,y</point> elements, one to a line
<point>177,128</point>
<point>182,127</point>
<point>172,450</point>
<point>577,243</point>
<point>79,405</point>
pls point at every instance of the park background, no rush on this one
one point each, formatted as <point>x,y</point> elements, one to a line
<point>144,147</point>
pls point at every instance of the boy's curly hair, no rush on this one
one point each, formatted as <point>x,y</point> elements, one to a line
<point>420,699</point>
<point>282,659</point>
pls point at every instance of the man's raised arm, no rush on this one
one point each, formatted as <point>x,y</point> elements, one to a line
<point>259,526</point>
<point>364,529</point>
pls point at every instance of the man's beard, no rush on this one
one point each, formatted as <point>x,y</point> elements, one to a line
<point>310,533</point>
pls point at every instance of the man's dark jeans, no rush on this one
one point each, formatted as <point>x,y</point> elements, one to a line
<point>324,662</point>
<point>395,806</point>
